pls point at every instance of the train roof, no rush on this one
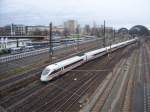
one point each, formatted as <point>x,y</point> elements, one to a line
<point>95,51</point>
<point>123,42</point>
<point>108,47</point>
<point>63,63</point>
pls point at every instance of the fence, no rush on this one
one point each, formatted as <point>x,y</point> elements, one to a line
<point>22,55</point>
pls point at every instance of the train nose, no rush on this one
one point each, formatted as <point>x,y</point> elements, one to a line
<point>43,79</point>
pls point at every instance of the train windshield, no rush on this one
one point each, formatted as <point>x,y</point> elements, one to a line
<point>45,71</point>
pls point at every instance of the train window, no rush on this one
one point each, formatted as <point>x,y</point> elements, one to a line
<point>56,71</point>
<point>73,63</point>
<point>45,72</point>
<point>98,53</point>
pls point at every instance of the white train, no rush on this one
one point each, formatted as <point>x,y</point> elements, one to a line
<point>57,69</point>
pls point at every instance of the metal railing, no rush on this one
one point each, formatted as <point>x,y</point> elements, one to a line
<point>22,55</point>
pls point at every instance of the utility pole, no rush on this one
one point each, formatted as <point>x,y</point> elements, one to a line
<point>50,42</point>
<point>17,42</point>
<point>104,40</point>
<point>11,32</point>
<point>114,35</point>
<point>78,39</point>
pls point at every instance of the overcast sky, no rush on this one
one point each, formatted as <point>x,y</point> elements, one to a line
<point>117,13</point>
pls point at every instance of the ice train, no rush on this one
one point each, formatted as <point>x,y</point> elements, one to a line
<point>59,68</point>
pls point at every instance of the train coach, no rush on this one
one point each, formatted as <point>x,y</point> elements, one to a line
<point>122,44</point>
<point>94,54</point>
<point>57,69</point>
<point>62,67</point>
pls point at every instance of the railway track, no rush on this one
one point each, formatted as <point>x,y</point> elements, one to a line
<point>62,94</point>
<point>103,88</point>
<point>52,91</point>
<point>7,78</point>
<point>67,105</point>
<point>127,100</point>
<point>5,68</point>
<point>68,100</point>
<point>146,59</point>
<point>104,101</point>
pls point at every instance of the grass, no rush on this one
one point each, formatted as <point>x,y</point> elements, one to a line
<point>2,52</point>
<point>23,69</point>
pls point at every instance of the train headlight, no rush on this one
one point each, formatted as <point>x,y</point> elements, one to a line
<point>43,78</point>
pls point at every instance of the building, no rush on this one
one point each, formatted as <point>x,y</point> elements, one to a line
<point>70,26</point>
<point>43,30</point>
<point>139,30</point>
<point>58,30</point>
<point>123,31</point>
<point>87,30</point>
<point>18,30</point>
<point>37,30</point>
<point>13,29</point>
<point>2,31</point>
<point>99,31</point>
